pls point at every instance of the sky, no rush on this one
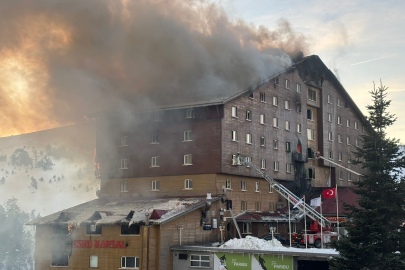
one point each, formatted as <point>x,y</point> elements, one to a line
<point>361,41</point>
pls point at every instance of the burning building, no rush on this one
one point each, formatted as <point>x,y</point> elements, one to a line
<point>157,165</point>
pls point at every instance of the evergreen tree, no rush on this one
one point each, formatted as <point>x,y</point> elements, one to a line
<point>45,163</point>
<point>376,238</point>
<point>20,157</point>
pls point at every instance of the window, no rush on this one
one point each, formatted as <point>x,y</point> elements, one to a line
<point>124,187</point>
<point>248,159</point>
<point>340,156</point>
<point>287,84</point>
<point>288,147</point>
<point>262,141</point>
<point>190,113</point>
<point>234,112</point>
<point>330,155</point>
<point>276,81</point>
<point>262,97</point>
<point>155,138</point>
<point>287,125</point>
<point>330,138</point>
<point>299,147</point>
<point>329,99</point>
<point>311,173</point>
<point>339,120</point>
<point>299,128</point>
<point>270,189</point>
<point>155,162</point>
<point>275,101</point>
<point>249,138</point>
<point>124,141</point>
<point>158,116</point>
<point>155,185</point>
<point>251,95</point>
<point>339,138</point>
<point>329,117</point>
<point>310,115</point>
<point>187,136</point>
<point>248,115</point>
<point>246,227</point>
<point>271,207</point>
<point>349,177</point>
<point>262,119</point>
<point>310,134</point>
<point>275,122</point>
<point>243,206</point>
<point>349,159</point>
<point>356,125</point>
<point>340,175</point>
<point>134,229</point>
<point>287,105</point>
<point>346,105</point>
<point>258,206</point>
<point>348,123</point>
<point>93,229</point>
<point>298,88</point>
<point>257,186</point>
<point>188,183</point>
<point>276,166</point>
<point>338,103</point>
<point>263,163</point>
<point>289,167</point>
<point>129,262</point>
<point>234,136</point>
<point>243,185</point>
<point>348,140</point>
<point>311,94</point>
<point>311,153</point>
<point>228,184</point>
<point>93,261</point>
<point>363,128</point>
<point>188,159</point>
<point>298,107</point>
<point>275,144</point>
<point>124,163</point>
<point>357,142</point>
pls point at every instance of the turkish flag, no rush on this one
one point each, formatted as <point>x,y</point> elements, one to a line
<point>329,193</point>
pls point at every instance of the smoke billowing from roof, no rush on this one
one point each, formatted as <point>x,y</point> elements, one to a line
<point>60,60</point>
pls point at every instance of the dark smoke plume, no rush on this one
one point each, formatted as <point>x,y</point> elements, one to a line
<point>60,59</point>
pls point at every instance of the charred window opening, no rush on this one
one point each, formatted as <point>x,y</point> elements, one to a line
<point>311,153</point>
<point>134,229</point>
<point>61,245</point>
<point>93,229</point>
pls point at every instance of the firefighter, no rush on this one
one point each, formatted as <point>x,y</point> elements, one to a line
<point>300,236</point>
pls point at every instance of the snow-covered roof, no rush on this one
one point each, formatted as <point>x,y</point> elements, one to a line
<point>110,211</point>
<point>280,216</point>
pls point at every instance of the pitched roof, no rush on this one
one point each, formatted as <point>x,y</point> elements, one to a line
<point>110,211</point>
<point>279,216</point>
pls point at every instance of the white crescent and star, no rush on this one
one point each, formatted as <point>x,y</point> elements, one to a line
<point>330,192</point>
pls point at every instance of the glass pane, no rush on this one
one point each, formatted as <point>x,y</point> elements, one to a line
<point>205,258</point>
<point>130,262</point>
<point>195,263</point>
<point>206,264</point>
<point>93,261</point>
<point>122,261</point>
<point>194,257</point>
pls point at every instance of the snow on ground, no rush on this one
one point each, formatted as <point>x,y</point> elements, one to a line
<point>254,243</point>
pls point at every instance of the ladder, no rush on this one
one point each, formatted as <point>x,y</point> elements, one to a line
<point>234,222</point>
<point>283,191</point>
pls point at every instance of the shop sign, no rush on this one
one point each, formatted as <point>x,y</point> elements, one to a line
<point>98,244</point>
<point>207,227</point>
<point>232,261</point>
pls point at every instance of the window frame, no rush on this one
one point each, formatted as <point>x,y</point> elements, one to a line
<point>155,139</point>
<point>330,117</point>
<point>312,96</point>
<point>262,141</point>
<point>310,115</point>
<point>311,134</point>
<point>275,122</point>
<point>275,144</point>
<point>329,97</point>
<point>340,156</point>
<point>124,141</point>
<point>288,146</point>
<point>90,262</point>
<point>287,105</point>
<point>124,164</point>
<point>263,164</point>
<point>228,183</point>
<point>125,267</point>
<point>243,185</point>
<point>123,186</point>
<point>263,97</point>
<point>188,184</point>
<point>248,115</point>
<point>248,138</point>
<point>234,111</point>
<point>190,114</point>
<point>187,136</point>
<point>246,228</point>
<point>275,101</point>
<point>288,167</point>
<point>339,120</point>
<point>234,137</point>
<point>262,119</point>
<point>258,206</point>
<point>298,88</point>
<point>299,128</point>
<point>276,166</point>
<point>330,136</point>
<point>155,185</point>
<point>154,163</point>
<point>287,125</point>
<point>188,159</point>
<point>313,173</point>
<point>287,84</point>
<point>257,186</point>
<point>243,205</point>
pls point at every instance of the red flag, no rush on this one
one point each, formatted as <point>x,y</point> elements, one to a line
<point>329,193</point>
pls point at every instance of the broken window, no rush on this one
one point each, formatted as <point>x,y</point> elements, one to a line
<point>134,229</point>
<point>311,94</point>
<point>310,115</point>
<point>311,153</point>
<point>311,173</point>
<point>262,141</point>
<point>61,245</point>
<point>93,229</point>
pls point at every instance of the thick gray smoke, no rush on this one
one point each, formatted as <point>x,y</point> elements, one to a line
<point>62,59</point>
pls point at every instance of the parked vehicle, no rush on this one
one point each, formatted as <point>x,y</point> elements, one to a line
<point>278,237</point>
<point>314,236</point>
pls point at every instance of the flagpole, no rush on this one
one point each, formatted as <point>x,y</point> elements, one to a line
<point>289,219</point>
<point>337,213</point>
<point>305,221</point>
<point>320,198</point>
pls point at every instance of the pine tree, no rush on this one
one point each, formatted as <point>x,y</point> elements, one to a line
<point>376,238</point>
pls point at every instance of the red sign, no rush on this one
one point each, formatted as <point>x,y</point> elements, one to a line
<point>334,219</point>
<point>98,244</point>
